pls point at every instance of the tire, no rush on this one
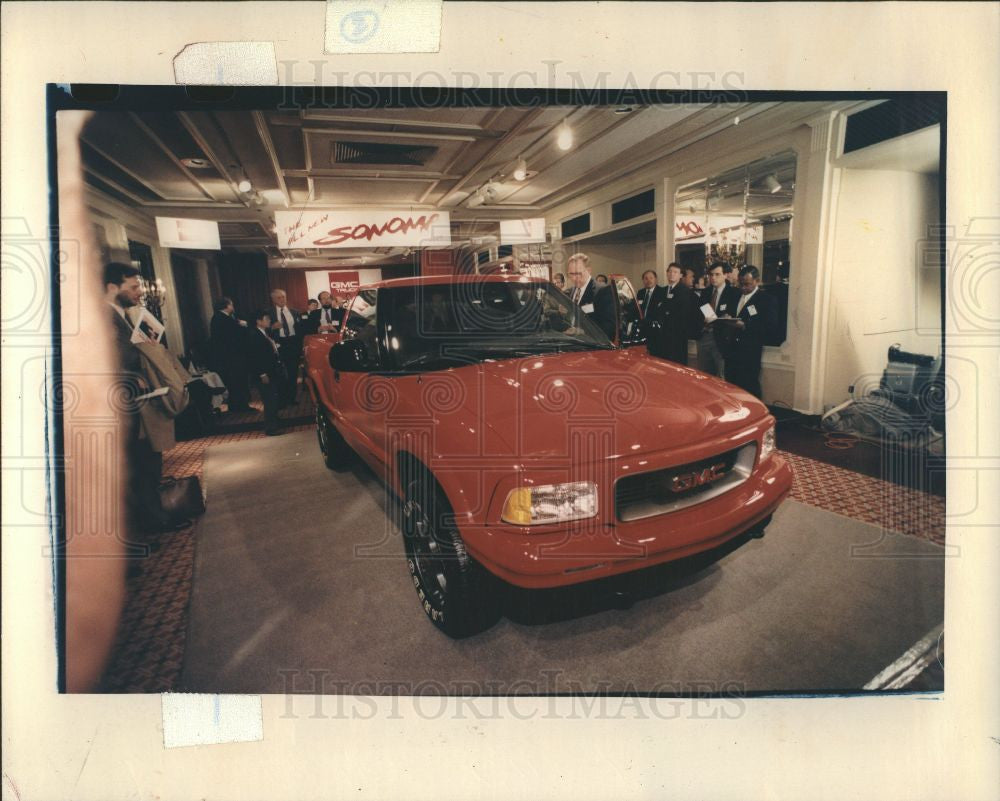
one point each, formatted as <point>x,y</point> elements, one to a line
<point>457,594</point>
<point>336,453</point>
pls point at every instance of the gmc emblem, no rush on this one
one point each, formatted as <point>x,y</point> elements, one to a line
<point>697,478</point>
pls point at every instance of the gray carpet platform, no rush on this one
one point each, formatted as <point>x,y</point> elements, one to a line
<point>298,569</point>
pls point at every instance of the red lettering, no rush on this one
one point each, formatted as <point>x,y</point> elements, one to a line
<point>396,225</point>
<point>334,236</point>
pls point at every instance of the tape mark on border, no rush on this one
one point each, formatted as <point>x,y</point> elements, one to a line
<point>390,26</point>
<point>203,719</point>
<point>227,64</point>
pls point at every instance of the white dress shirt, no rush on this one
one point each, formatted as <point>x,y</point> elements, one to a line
<point>744,299</point>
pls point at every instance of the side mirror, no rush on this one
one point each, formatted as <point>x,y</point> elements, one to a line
<point>350,356</point>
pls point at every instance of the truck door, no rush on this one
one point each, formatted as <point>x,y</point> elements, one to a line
<point>628,313</point>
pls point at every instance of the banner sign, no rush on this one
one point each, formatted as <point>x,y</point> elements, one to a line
<point>177,232</point>
<point>691,230</point>
<point>362,228</point>
<point>344,282</point>
<point>522,232</point>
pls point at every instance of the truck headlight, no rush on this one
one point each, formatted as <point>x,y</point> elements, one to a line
<point>767,447</point>
<point>550,503</point>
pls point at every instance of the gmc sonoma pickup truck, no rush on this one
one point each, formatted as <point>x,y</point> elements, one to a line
<point>525,446</point>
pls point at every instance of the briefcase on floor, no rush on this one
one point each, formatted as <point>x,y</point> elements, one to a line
<point>181,497</point>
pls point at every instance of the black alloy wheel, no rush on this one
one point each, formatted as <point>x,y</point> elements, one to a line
<point>456,593</point>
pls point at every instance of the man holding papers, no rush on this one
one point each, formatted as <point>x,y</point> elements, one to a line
<point>756,317</point>
<point>719,300</point>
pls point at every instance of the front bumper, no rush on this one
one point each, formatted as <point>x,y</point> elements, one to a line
<point>595,549</point>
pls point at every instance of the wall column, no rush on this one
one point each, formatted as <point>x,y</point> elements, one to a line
<point>817,186</point>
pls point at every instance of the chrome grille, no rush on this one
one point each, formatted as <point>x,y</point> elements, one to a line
<point>661,491</point>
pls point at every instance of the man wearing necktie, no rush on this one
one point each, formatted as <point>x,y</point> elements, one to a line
<point>287,327</point>
<point>596,302</point>
<point>326,319</point>
<point>669,326</point>
<point>650,297</point>
<point>756,318</point>
<point>713,341</point>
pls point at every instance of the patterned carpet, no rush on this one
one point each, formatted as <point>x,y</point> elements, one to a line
<point>150,648</point>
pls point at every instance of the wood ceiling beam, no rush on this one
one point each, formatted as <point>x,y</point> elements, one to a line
<point>533,149</point>
<point>170,155</point>
<point>480,130</point>
<point>521,124</point>
<point>129,172</point>
<point>265,137</point>
<point>114,185</point>
<point>390,175</point>
<point>200,140</point>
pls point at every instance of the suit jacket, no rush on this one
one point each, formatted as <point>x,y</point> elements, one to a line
<point>729,297</point>
<point>316,319</point>
<point>658,294</point>
<point>604,306</point>
<point>760,317</point>
<point>227,342</point>
<point>128,356</point>
<point>262,357</point>
<point>670,325</point>
<point>301,320</point>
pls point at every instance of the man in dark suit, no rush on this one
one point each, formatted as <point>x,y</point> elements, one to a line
<point>227,353</point>
<point>714,337</point>
<point>122,291</point>
<point>287,328</point>
<point>756,317</point>
<point>650,297</point>
<point>265,368</point>
<point>670,324</point>
<point>596,302</point>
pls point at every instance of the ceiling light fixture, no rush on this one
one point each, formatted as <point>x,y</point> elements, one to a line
<point>771,183</point>
<point>244,186</point>
<point>564,136</point>
<point>521,170</point>
<point>477,198</point>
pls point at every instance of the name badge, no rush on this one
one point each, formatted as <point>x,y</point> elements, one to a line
<point>752,311</point>
<point>588,308</point>
<point>722,307</point>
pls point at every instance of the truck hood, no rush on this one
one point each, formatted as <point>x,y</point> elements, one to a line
<point>648,404</point>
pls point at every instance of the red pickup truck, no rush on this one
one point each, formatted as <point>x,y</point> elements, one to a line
<point>526,446</point>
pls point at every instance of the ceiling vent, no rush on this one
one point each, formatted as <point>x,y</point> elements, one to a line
<point>380,153</point>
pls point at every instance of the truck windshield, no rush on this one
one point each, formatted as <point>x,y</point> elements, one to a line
<point>446,325</point>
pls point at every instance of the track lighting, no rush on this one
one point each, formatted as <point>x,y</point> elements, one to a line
<point>244,186</point>
<point>477,198</point>
<point>771,183</point>
<point>521,170</point>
